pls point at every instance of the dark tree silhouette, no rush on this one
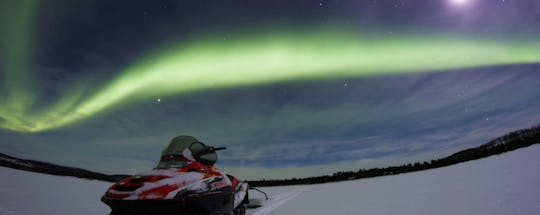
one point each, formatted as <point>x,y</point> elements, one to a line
<point>511,141</point>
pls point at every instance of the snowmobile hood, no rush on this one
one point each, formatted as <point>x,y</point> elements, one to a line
<point>170,184</point>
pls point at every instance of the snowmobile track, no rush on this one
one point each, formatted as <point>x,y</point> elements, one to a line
<point>273,203</point>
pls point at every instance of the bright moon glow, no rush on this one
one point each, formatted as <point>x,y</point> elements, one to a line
<point>254,59</point>
<point>459,3</point>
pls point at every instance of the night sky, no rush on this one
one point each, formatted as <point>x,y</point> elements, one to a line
<point>292,88</point>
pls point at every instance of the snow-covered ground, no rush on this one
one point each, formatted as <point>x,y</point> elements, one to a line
<point>503,184</point>
<point>33,193</point>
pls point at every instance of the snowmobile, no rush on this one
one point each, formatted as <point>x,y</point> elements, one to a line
<point>185,182</point>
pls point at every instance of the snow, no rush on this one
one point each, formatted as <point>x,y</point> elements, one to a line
<point>274,202</point>
<point>503,184</point>
<point>33,193</point>
<point>178,179</point>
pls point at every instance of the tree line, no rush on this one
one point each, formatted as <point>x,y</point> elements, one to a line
<point>511,141</point>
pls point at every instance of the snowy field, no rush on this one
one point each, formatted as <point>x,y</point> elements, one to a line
<point>504,184</point>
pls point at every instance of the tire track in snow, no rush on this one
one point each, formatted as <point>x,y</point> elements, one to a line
<point>275,201</point>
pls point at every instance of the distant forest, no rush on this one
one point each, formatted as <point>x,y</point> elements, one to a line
<point>511,141</point>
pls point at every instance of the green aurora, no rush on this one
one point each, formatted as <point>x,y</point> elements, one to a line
<point>249,59</point>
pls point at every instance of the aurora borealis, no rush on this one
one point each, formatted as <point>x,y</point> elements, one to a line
<point>312,55</point>
<point>76,74</point>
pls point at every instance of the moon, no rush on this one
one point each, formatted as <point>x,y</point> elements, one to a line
<point>459,3</point>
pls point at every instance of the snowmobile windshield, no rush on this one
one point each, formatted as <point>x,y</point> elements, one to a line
<point>172,161</point>
<point>178,145</point>
<point>200,152</point>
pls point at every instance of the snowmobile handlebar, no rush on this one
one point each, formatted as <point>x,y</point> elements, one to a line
<point>209,149</point>
<point>217,148</point>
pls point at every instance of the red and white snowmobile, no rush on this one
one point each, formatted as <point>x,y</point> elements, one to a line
<point>185,182</point>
